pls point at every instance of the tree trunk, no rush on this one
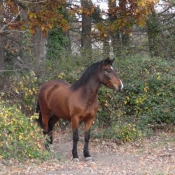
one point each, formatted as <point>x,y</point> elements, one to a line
<point>2,56</point>
<point>39,41</point>
<point>32,46</point>
<point>119,38</point>
<point>86,29</point>
<point>1,60</point>
<point>153,33</point>
<point>114,35</point>
<point>124,34</point>
<point>106,47</point>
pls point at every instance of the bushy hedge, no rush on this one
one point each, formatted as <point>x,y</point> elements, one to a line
<point>146,101</point>
<point>20,137</point>
<point>149,90</point>
<point>21,89</point>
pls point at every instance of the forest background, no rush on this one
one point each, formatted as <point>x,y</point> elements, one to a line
<point>42,40</point>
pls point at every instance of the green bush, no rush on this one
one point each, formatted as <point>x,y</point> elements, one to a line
<point>149,89</point>
<point>146,100</point>
<point>22,90</point>
<point>20,137</point>
<point>127,132</point>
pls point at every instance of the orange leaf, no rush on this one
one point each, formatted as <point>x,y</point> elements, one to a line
<point>105,35</point>
<point>42,28</point>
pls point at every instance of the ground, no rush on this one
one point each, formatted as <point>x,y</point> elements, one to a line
<point>150,156</point>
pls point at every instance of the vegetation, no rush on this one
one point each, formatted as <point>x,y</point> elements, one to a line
<point>45,40</point>
<point>20,137</point>
<point>57,39</point>
<point>146,103</point>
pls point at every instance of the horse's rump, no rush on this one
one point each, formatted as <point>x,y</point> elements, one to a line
<point>52,98</point>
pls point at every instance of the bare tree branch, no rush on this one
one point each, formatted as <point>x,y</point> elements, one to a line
<point>6,25</point>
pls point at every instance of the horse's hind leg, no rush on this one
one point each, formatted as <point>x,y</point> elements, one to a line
<point>52,122</point>
<point>45,121</point>
<point>75,124</point>
<point>45,125</point>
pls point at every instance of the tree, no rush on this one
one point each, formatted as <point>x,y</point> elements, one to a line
<point>86,26</point>
<point>123,15</point>
<point>57,39</point>
<point>28,24</point>
<point>162,25</point>
<point>1,38</point>
<point>39,17</point>
<point>153,32</point>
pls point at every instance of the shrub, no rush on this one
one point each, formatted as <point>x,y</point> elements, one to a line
<point>148,94</point>
<point>127,132</point>
<point>147,97</point>
<point>20,137</point>
<point>146,100</point>
<point>22,89</point>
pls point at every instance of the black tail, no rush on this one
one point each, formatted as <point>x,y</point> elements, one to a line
<point>37,107</point>
<point>39,120</point>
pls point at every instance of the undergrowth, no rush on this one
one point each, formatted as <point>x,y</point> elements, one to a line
<point>20,136</point>
<point>146,102</point>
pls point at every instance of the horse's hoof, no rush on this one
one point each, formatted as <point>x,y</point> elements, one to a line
<point>47,147</point>
<point>88,159</point>
<point>51,148</point>
<point>75,159</point>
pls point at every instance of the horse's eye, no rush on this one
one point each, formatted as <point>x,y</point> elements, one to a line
<point>108,70</point>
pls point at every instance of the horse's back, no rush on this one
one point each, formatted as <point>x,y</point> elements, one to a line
<point>50,86</point>
<point>54,83</point>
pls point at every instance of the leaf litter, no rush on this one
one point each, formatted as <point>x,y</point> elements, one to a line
<point>149,156</point>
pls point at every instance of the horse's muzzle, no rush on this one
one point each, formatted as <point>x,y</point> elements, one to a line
<point>118,88</point>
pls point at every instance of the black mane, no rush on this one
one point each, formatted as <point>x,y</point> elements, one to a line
<point>90,71</point>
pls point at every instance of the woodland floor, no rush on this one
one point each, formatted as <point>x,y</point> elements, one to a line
<point>153,156</point>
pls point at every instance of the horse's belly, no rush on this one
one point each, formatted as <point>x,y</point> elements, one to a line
<point>59,112</point>
<point>58,103</point>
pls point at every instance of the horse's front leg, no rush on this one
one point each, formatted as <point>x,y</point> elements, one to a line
<point>75,124</point>
<point>88,124</point>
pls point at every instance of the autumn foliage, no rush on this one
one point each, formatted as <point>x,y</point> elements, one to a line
<point>124,14</point>
<point>28,15</point>
<point>32,14</point>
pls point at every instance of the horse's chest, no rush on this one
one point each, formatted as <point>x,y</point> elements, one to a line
<point>84,111</point>
<point>89,110</point>
<point>83,107</point>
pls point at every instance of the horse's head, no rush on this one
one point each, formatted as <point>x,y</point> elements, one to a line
<point>108,77</point>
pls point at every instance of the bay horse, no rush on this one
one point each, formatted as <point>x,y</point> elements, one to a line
<point>76,103</point>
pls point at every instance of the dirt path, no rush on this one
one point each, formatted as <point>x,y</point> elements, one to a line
<point>154,156</point>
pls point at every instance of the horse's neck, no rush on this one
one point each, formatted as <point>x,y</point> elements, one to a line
<point>90,91</point>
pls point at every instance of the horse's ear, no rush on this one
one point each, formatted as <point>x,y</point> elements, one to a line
<point>106,61</point>
<point>111,61</point>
